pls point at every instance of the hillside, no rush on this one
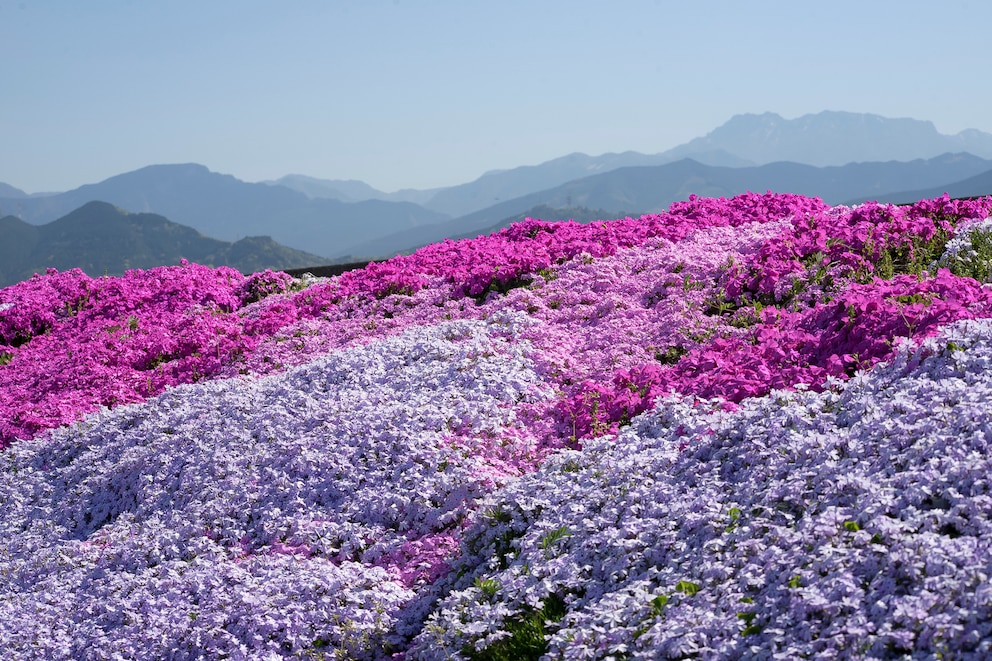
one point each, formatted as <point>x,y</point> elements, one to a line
<point>545,212</point>
<point>8,191</point>
<point>102,239</point>
<point>980,184</point>
<point>348,190</point>
<point>752,427</point>
<point>502,185</point>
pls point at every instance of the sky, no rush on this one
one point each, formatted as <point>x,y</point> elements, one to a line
<point>431,93</point>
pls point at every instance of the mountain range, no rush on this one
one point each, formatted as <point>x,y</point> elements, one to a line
<point>645,189</point>
<point>226,208</point>
<point>103,239</point>
<point>828,138</point>
<point>840,157</point>
<point>977,186</point>
<point>834,138</point>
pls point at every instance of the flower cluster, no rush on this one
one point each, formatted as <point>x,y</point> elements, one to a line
<point>748,427</point>
<point>71,343</point>
<point>854,522</point>
<point>969,253</point>
<point>283,515</point>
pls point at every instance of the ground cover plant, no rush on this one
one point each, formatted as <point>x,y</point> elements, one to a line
<point>743,428</point>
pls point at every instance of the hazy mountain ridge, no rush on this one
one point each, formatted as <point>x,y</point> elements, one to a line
<point>979,185</point>
<point>100,238</point>
<point>646,189</point>
<point>829,138</point>
<point>10,192</point>
<point>835,138</point>
<point>328,217</point>
<point>229,209</point>
<point>493,187</point>
<point>349,190</point>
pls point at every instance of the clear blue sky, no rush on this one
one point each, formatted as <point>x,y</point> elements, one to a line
<point>428,93</point>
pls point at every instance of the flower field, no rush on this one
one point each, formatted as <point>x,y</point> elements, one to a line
<point>754,427</point>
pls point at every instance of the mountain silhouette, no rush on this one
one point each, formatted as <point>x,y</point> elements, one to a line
<point>638,190</point>
<point>824,139</point>
<point>100,238</point>
<point>834,138</point>
<point>227,208</point>
<point>979,185</point>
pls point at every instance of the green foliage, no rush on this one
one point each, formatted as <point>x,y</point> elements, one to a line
<point>488,586</point>
<point>661,601</point>
<point>72,309</point>
<point>688,284</point>
<point>5,358</point>
<point>600,425</point>
<point>528,639</point>
<point>747,317</point>
<point>498,515</point>
<point>750,628</point>
<point>818,271</point>
<point>912,299</point>
<point>658,605</point>
<point>735,515</point>
<point>548,274</point>
<point>671,355</point>
<point>552,537</point>
<point>885,268</point>
<point>503,549</point>
<point>571,466</point>
<point>911,257</point>
<point>395,289</point>
<point>719,306</point>
<point>978,263</point>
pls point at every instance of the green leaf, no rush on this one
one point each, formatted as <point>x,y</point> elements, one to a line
<point>658,605</point>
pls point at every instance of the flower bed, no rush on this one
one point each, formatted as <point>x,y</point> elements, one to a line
<point>744,427</point>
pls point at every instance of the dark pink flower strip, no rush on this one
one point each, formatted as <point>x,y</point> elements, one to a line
<point>857,330</point>
<point>76,343</point>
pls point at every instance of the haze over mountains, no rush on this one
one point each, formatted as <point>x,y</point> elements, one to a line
<point>838,156</point>
<point>638,190</point>
<point>824,139</point>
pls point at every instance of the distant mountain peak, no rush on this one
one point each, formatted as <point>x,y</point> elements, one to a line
<point>833,137</point>
<point>6,190</point>
<point>168,169</point>
<point>95,205</point>
<point>100,237</point>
